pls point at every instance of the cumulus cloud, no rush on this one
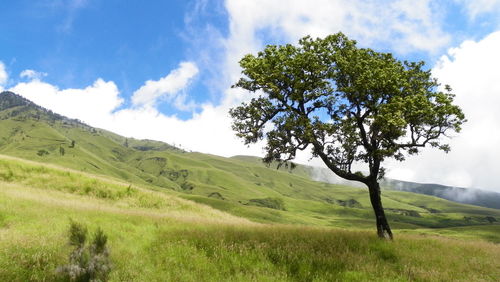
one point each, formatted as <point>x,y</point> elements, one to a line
<point>168,87</point>
<point>207,131</point>
<point>472,71</point>
<point>93,104</point>
<point>3,75</point>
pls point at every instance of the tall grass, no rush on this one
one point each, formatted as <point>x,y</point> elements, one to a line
<point>152,250</point>
<point>52,179</point>
<point>284,253</point>
<point>178,240</point>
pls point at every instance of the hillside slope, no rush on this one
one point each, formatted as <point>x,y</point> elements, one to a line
<point>155,236</point>
<point>241,186</point>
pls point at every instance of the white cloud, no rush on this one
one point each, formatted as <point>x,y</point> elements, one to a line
<point>31,74</point>
<point>472,71</point>
<point>403,24</point>
<point>3,75</point>
<point>93,104</point>
<point>207,131</point>
<point>168,87</point>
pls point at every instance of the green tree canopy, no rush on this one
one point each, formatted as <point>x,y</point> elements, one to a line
<point>349,105</point>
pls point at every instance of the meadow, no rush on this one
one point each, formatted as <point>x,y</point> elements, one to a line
<point>154,235</point>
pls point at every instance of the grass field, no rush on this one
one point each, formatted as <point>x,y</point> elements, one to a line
<point>157,236</point>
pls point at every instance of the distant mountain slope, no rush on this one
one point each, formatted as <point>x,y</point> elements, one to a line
<point>241,185</point>
<point>460,195</point>
<point>468,196</point>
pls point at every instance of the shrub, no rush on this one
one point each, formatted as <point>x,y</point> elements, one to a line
<point>86,263</point>
<point>42,153</point>
<point>187,186</point>
<point>216,195</point>
<point>7,176</point>
<point>272,203</point>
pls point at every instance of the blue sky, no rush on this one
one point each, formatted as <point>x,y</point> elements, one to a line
<point>163,69</point>
<point>75,42</point>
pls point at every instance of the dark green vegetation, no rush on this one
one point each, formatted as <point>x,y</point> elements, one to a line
<point>153,234</point>
<point>348,105</point>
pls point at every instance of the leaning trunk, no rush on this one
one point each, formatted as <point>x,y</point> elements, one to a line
<point>383,229</point>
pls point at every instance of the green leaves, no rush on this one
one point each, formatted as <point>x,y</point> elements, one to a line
<point>349,104</point>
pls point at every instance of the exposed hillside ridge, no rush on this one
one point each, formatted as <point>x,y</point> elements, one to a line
<point>22,107</point>
<point>16,106</point>
<point>9,100</point>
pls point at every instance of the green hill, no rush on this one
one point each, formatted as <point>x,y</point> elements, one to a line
<point>154,235</point>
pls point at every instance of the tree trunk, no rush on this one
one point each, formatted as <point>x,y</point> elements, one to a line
<point>383,229</point>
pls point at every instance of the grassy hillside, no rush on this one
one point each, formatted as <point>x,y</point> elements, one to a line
<point>156,236</point>
<point>241,186</point>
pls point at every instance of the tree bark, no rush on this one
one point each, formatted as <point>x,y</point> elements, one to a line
<point>383,229</point>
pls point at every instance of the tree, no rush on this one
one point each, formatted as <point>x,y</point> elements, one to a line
<point>352,106</point>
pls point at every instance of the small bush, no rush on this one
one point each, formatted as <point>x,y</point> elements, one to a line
<point>272,203</point>
<point>86,263</point>
<point>187,186</point>
<point>7,176</point>
<point>42,153</point>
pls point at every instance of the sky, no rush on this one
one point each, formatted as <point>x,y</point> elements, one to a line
<point>163,70</point>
